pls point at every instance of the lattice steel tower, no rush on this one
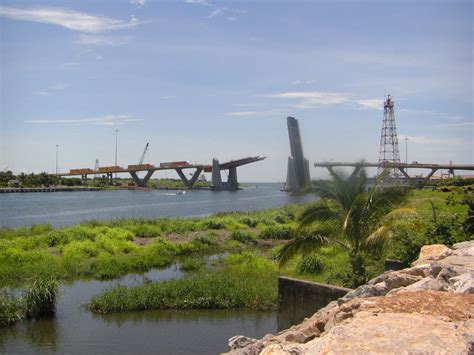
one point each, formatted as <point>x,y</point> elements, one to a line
<point>389,152</point>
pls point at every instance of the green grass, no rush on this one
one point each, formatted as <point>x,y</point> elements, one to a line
<point>37,301</point>
<point>242,281</point>
<point>108,249</point>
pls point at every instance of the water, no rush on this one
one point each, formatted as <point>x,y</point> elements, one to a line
<point>66,208</point>
<point>76,330</point>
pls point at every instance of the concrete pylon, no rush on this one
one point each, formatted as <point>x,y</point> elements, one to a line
<point>232,183</point>
<point>298,166</point>
<point>216,175</point>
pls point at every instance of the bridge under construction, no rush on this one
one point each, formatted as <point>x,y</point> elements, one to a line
<point>179,166</point>
<point>401,167</point>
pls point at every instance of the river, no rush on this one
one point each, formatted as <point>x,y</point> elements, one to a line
<point>75,330</point>
<point>67,208</point>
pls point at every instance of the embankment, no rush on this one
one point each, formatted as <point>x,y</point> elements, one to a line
<point>427,308</point>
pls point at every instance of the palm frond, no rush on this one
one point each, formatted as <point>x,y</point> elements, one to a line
<point>317,212</point>
<point>297,245</point>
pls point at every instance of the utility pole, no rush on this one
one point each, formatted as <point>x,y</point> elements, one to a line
<point>57,147</point>
<point>116,140</point>
<point>406,152</point>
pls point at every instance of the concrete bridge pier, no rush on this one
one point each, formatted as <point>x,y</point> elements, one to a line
<point>108,178</point>
<point>232,183</point>
<point>189,182</point>
<point>141,182</point>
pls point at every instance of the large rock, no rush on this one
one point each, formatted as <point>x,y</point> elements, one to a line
<point>463,283</point>
<point>400,333</point>
<point>432,252</point>
<point>364,291</point>
<point>398,279</point>
<point>427,284</point>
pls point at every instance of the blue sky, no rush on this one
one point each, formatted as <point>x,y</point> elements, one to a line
<point>201,78</point>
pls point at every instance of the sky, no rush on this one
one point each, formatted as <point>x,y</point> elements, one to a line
<point>199,79</point>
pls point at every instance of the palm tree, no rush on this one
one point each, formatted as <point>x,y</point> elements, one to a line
<point>347,215</point>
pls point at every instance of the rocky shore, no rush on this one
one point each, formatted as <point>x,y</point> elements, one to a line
<point>427,308</point>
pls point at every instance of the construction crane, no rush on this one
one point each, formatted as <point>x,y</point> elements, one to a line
<point>140,162</point>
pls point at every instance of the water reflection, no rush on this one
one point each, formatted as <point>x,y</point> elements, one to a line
<point>76,330</point>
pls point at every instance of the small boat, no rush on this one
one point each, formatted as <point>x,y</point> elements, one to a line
<point>180,192</point>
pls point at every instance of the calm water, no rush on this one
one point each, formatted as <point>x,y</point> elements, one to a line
<point>65,208</point>
<point>75,330</point>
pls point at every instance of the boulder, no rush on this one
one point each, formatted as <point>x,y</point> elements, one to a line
<point>398,279</point>
<point>422,270</point>
<point>427,283</point>
<point>240,342</point>
<point>463,283</point>
<point>432,252</point>
<point>463,245</point>
<point>363,291</point>
<point>394,332</point>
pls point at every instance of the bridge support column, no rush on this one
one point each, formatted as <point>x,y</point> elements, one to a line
<point>422,180</point>
<point>141,182</point>
<point>232,183</point>
<point>188,183</point>
<point>332,172</point>
<point>109,178</point>
<point>84,177</point>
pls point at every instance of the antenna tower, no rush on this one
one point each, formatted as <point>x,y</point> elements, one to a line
<point>389,152</point>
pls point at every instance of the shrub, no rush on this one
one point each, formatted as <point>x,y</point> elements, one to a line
<point>243,237</point>
<point>276,232</point>
<point>11,309</point>
<point>146,231</point>
<point>40,298</point>
<point>280,218</point>
<point>57,237</point>
<point>252,223</point>
<point>214,224</point>
<point>191,264</point>
<point>310,264</point>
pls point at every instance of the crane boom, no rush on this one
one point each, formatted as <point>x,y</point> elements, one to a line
<point>143,155</point>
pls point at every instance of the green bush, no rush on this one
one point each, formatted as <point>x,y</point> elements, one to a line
<point>146,231</point>
<point>276,232</point>
<point>310,264</point>
<point>191,264</point>
<point>40,298</point>
<point>243,237</point>
<point>214,224</point>
<point>11,309</point>
<point>248,221</point>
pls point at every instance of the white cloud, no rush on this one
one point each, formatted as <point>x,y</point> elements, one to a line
<point>107,120</point>
<point>456,124</point>
<point>70,19</point>
<point>95,40</point>
<point>375,104</point>
<point>199,2</point>
<point>44,93</point>
<point>215,12</point>
<point>231,18</point>
<point>255,113</point>
<point>168,97</point>
<point>70,65</point>
<point>58,86</point>
<point>313,99</point>
<point>99,57</point>
<point>431,140</point>
<point>138,3</point>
